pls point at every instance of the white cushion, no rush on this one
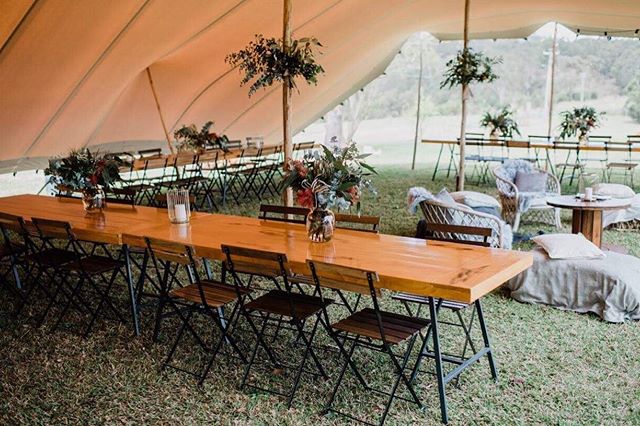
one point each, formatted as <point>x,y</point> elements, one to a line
<point>568,246</point>
<point>445,197</point>
<point>475,199</point>
<point>614,190</point>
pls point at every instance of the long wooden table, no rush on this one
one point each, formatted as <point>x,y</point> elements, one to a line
<point>443,270</point>
<point>437,270</point>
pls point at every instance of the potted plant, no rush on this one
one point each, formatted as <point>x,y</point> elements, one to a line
<point>579,121</point>
<point>499,124</point>
<point>329,179</point>
<point>87,173</point>
<point>189,138</point>
<point>265,62</point>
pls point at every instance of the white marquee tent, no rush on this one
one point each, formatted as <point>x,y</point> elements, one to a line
<point>73,73</point>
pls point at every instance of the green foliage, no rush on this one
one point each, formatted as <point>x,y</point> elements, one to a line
<point>188,138</point>
<point>332,178</point>
<point>265,62</point>
<point>632,106</point>
<point>579,121</point>
<point>84,171</point>
<point>469,67</point>
<point>501,122</point>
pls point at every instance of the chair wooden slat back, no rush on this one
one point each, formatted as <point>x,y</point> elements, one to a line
<point>55,229</point>
<point>358,223</point>
<point>121,196</point>
<point>457,234</point>
<point>242,260</point>
<point>169,251</point>
<point>342,277</point>
<point>283,213</point>
<point>12,223</point>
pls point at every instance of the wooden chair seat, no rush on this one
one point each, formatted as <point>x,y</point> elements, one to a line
<point>52,257</point>
<point>216,294</point>
<point>448,304</point>
<point>623,165</point>
<point>397,327</point>
<point>93,264</point>
<point>277,302</point>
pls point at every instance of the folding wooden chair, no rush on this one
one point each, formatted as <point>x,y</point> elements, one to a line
<point>358,222</point>
<point>370,328</point>
<point>272,309</point>
<point>12,250</point>
<point>98,272</point>
<point>204,296</point>
<point>277,213</point>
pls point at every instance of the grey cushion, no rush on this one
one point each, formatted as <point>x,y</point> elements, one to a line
<point>531,182</point>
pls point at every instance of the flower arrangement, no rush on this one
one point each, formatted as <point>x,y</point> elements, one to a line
<point>85,172</point>
<point>469,67</point>
<point>331,179</point>
<point>500,123</point>
<point>188,138</point>
<point>579,121</point>
<point>265,61</point>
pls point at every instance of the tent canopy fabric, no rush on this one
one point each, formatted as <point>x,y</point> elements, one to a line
<point>73,73</point>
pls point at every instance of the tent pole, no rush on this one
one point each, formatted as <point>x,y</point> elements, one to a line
<point>155,97</point>
<point>286,98</point>
<point>465,95</point>
<point>415,139</point>
<point>554,54</point>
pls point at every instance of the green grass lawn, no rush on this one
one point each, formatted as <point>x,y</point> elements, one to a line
<point>555,367</point>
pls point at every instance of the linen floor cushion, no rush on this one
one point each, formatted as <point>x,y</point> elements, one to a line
<point>614,190</point>
<point>475,199</point>
<point>568,246</point>
<point>531,182</point>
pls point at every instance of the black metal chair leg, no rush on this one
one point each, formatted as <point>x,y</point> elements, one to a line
<point>173,348</point>
<point>343,370</point>
<point>247,369</point>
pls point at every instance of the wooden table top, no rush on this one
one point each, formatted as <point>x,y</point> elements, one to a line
<point>613,146</point>
<point>105,227</point>
<point>452,271</point>
<point>571,202</point>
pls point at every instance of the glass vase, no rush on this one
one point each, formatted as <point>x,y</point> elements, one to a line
<point>93,202</point>
<point>321,224</point>
<point>587,180</point>
<point>178,205</point>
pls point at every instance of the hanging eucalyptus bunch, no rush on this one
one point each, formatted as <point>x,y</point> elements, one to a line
<point>264,62</point>
<point>469,67</point>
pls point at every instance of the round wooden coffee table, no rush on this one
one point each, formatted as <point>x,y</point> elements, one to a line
<point>587,215</point>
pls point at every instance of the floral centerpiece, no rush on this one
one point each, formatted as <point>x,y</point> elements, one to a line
<point>87,173</point>
<point>329,179</point>
<point>189,138</point>
<point>579,121</point>
<point>500,123</point>
<point>265,61</point>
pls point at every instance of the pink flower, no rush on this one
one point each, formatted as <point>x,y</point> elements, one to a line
<point>306,198</point>
<point>354,191</point>
<point>299,167</point>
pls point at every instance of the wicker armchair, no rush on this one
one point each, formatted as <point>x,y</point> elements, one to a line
<point>435,211</point>
<point>512,199</point>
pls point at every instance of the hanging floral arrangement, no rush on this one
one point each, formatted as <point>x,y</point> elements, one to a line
<point>264,62</point>
<point>469,67</point>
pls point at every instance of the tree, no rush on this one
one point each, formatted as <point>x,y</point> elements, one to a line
<point>632,106</point>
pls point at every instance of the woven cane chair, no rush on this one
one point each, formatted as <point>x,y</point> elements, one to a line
<point>510,197</point>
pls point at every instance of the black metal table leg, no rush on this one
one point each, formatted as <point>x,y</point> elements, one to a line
<point>438,360</point>
<point>132,292</point>
<point>487,341</point>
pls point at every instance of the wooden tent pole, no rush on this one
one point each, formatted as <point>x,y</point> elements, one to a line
<point>155,97</point>
<point>416,137</point>
<point>465,94</point>
<point>553,75</point>
<point>286,98</point>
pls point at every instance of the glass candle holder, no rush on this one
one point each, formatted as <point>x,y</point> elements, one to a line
<point>178,205</point>
<point>587,180</point>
